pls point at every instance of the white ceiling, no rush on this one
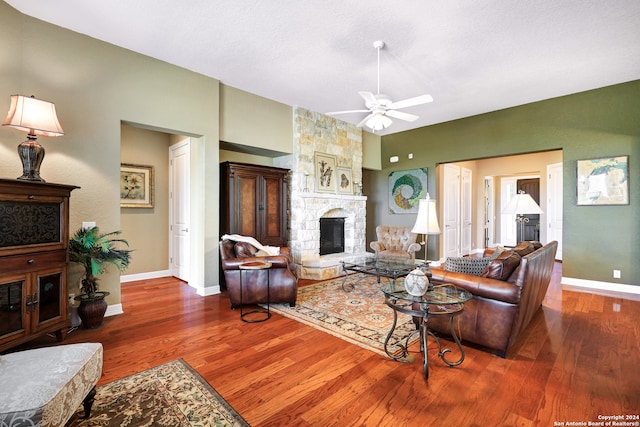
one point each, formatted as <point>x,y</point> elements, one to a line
<point>472,56</point>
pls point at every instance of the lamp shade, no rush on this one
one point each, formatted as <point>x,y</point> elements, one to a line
<point>427,220</point>
<point>34,116</point>
<point>378,122</point>
<point>522,204</point>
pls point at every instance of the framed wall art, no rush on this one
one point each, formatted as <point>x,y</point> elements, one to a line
<point>603,181</point>
<point>325,173</point>
<point>406,188</point>
<point>344,180</point>
<point>136,186</point>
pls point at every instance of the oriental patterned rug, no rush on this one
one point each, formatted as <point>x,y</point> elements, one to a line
<point>358,315</point>
<point>173,394</point>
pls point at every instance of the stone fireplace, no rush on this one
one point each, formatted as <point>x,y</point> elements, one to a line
<point>314,132</point>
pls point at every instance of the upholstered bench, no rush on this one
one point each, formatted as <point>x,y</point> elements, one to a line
<point>45,386</point>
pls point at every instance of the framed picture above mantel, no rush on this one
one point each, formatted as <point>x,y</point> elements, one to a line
<point>602,181</point>
<point>325,173</point>
<point>344,180</point>
<point>136,186</point>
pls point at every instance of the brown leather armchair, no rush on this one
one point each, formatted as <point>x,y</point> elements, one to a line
<point>283,283</point>
<point>395,241</point>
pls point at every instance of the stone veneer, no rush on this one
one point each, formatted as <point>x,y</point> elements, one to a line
<point>314,132</point>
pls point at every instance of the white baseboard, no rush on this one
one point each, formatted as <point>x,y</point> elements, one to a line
<point>601,288</point>
<point>113,310</point>
<point>211,290</point>
<point>202,291</point>
<point>145,276</point>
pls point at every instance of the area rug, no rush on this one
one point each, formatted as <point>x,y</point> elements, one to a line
<point>357,315</point>
<point>173,394</point>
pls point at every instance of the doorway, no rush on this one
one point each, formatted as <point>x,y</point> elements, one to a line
<point>498,181</point>
<point>531,228</point>
<point>179,209</point>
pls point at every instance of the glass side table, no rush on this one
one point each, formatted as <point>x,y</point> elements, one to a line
<point>256,267</point>
<point>439,301</point>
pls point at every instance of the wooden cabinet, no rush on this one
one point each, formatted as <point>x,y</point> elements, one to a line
<point>253,202</point>
<point>34,236</point>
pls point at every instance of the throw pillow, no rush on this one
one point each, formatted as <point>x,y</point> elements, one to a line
<point>492,252</point>
<point>536,244</point>
<point>523,248</point>
<point>502,267</point>
<point>466,265</point>
<point>496,253</point>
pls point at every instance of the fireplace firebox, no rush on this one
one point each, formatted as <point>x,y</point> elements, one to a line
<point>331,235</point>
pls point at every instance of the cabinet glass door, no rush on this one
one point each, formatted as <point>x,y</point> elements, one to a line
<point>11,311</point>
<point>49,296</point>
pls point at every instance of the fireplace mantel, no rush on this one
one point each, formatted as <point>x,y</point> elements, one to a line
<point>329,196</point>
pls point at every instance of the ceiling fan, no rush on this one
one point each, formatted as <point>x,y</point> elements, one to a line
<point>380,107</point>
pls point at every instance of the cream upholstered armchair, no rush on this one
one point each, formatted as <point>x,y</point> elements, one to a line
<point>395,241</point>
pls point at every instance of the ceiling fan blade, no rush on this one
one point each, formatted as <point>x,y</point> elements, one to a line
<point>410,102</point>
<point>402,115</point>
<point>346,112</point>
<point>365,120</point>
<point>369,98</point>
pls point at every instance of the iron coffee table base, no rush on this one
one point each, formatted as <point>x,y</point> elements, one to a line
<point>424,332</point>
<point>440,301</point>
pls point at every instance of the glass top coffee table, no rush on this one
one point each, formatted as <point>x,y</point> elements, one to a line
<point>439,301</point>
<point>391,268</point>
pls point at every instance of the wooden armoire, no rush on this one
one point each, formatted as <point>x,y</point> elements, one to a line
<point>253,202</point>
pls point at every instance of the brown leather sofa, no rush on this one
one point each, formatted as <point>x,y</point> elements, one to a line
<point>283,283</point>
<point>395,241</point>
<point>500,309</point>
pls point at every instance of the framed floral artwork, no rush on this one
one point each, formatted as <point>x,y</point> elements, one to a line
<point>603,181</point>
<point>344,181</point>
<point>136,186</point>
<point>325,173</point>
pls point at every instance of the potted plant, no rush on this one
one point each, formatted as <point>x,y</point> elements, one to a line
<point>95,251</point>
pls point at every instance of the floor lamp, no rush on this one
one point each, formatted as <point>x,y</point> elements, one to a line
<point>520,205</point>
<point>427,221</point>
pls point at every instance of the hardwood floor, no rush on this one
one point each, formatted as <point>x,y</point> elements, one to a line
<point>577,361</point>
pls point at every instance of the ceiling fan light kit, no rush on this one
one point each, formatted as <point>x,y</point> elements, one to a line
<point>380,106</point>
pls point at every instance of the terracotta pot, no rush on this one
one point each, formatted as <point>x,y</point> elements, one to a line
<point>92,309</point>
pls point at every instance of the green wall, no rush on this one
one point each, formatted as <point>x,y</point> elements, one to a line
<point>598,123</point>
<point>97,86</point>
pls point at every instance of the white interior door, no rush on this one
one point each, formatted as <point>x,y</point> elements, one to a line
<point>508,230</point>
<point>466,220</point>
<point>554,205</point>
<point>451,210</point>
<point>179,202</point>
